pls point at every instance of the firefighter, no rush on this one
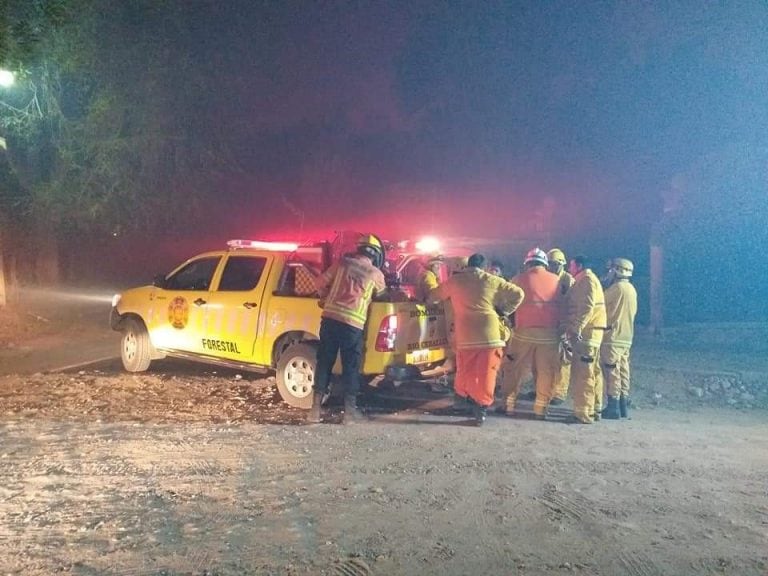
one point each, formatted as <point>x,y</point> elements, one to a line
<point>557,265</point>
<point>620,309</point>
<point>534,346</point>
<point>429,279</point>
<point>475,297</point>
<point>496,268</point>
<point>346,290</point>
<point>454,266</point>
<point>584,327</point>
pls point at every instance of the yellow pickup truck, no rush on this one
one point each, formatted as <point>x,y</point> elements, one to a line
<point>253,306</point>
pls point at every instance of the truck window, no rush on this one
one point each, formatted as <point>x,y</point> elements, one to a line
<point>194,276</point>
<point>298,280</point>
<point>242,273</point>
<point>411,273</point>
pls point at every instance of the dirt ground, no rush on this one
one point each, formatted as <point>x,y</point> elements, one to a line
<point>186,470</point>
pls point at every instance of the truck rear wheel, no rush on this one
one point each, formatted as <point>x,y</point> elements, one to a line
<point>296,375</point>
<point>135,346</point>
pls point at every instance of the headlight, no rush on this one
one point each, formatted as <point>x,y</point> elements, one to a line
<point>115,300</point>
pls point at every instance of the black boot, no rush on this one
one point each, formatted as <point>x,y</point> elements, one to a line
<point>611,411</point>
<point>479,412</point>
<point>314,413</point>
<point>461,404</point>
<point>352,414</point>
<point>624,407</point>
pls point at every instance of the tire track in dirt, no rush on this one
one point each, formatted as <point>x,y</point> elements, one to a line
<point>352,567</point>
<point>598,527</point>
<point>571,506</point>
<point>194,501</point>
<point>637,563</point>
<point>479,507</point>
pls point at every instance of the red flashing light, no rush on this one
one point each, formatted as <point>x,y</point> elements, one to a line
<point>261,245</point>
<point>385,339</point>
<point>428,244</point>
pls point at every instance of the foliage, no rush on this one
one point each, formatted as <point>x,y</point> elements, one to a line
<point>107,130</point>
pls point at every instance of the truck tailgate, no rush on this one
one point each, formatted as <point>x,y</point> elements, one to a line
<point>422,335</point>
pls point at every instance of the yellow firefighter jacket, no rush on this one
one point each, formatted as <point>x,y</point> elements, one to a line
<point>620,309</point>
<point>475,296</point>
<point>427,282</point>
<point>586,309</point>
<point>353,283</point>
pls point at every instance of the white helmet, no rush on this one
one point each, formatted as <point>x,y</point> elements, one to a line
<point>623,267</point>
<point>538,256</point>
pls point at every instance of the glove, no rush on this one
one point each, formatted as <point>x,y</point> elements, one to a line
<point>565,352</point>
<point>573,337</point>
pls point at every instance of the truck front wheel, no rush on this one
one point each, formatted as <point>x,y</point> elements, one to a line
<point>135,346</point>
<point>296,375</point>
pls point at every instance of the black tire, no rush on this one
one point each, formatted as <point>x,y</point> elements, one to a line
<point>135,346</point>
<point>295,374</point>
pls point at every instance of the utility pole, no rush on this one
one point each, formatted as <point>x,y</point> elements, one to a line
<point>672,199</point>
<point>657,285</point>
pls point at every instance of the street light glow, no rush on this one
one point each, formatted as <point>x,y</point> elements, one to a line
<point>6,78</point>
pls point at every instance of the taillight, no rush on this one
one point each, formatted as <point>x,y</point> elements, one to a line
<point>385,339</point>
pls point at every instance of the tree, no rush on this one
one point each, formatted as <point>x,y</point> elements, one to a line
<point>109,133</point>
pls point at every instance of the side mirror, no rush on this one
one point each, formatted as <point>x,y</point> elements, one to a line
<point>159,281</point>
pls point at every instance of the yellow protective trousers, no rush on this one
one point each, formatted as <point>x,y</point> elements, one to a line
<point>584,380</point>
<point>562,380</point>
<point>523,357</point>
<point>599,389</point>
<point>614,361</point>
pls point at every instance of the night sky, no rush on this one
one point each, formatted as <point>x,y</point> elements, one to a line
<point>478,116</point>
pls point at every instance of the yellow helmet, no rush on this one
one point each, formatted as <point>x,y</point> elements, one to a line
<point>370,245</point>
<point>623,267</point>
<point>557,255</point>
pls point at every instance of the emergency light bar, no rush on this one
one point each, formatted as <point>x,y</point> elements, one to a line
<point>428,244</point>
<point>261,245</point>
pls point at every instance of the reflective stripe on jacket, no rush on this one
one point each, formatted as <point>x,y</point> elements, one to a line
<point>353,283</point>
<point>475,297</point>
<point>620,309</point>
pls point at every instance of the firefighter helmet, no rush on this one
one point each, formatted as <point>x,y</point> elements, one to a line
<point>536,256</point>
<point>436,260</point>
<point>557,255</point>
<point>370,245</point>
<point>623,267</point>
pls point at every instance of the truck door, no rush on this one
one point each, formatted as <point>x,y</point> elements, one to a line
<point>235,314</point>
<point>179,306</point>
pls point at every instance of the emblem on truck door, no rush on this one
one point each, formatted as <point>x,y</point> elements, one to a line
<point>178,312</point>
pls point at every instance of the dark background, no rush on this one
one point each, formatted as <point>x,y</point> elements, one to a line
<point>593,126</point>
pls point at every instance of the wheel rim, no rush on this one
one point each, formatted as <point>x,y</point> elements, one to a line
<point>130,344</point>
<point>299,377</point>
